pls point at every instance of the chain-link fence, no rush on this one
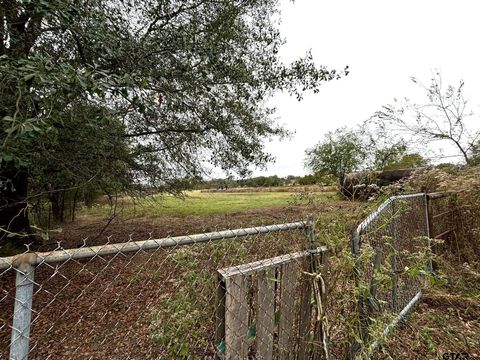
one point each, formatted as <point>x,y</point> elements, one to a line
<point>392,249</point>
<point>452,226</point>
<point>444,216</point>
<point>257,292</point>
<point>163,298</point>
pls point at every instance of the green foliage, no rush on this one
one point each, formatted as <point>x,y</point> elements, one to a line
<point>388,150</point>
<point>115,94</point>
<point>263,181</point>
<point>428,341</point>
<point>407,161</point>
<point>388,158</point>
<point>340,150</point>
<point>312,179</point>
<point>475,158</point>
<point>179,311</point>
<point>347,150</point>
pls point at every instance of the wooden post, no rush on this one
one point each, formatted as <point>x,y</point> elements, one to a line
<point>288,282</point>
<point>236,317</point>
<point>265,314</point>
<point>305,320</point>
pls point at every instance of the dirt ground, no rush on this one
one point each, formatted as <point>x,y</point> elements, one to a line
<point>102,308</point>
<point>111,307</point>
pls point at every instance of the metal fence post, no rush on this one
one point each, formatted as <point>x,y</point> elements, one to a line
<point>362,324</point>
<point>427,228</point>
<point>394,257</point>
<point>310,232</point>
<point>22,313</point>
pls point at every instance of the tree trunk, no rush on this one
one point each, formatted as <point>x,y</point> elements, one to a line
<point>13,206</point>
<point>56,203</point>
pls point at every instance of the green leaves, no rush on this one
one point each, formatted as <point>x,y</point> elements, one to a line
<point>251,331</point>
<point>342,149</point>
<point>114,95</point>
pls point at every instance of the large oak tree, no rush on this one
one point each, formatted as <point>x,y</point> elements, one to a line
<point>135,92</point>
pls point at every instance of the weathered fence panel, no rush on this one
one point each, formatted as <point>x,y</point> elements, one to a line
<point>266,313</point>
<point>282,311</point>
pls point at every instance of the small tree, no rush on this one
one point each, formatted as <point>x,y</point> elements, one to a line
<point>410,160</point>
<point>342,150</point>
<point>441,118</point>
<point>397,157</point>
<point>384,158</point>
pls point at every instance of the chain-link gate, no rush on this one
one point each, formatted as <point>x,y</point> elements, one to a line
<point>392,250</point>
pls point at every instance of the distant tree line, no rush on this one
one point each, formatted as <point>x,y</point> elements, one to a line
<point>262,181</point>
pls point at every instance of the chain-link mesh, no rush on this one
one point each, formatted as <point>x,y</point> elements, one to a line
<point>454,224</point>
<point>445,220</point>
<point>392,248</point>
<point>163,298</point>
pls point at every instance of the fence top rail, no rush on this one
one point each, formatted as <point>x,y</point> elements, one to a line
<point>364,224</point>
<point>35,258</point>
<point>246,269</point>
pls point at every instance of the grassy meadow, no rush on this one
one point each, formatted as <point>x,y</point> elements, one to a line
<point>201,203</point>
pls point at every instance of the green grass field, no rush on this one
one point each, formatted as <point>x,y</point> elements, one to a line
<point>198,203</point>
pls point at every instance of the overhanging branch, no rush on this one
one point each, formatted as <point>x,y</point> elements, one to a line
<point>168,130</point>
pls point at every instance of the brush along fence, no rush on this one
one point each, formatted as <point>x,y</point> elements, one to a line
<point>392,247</point>
<point>139,299</point>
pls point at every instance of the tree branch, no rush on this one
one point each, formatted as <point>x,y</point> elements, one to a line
<point>168,130</point>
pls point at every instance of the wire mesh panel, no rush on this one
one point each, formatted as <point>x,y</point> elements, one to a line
<point>445,219</point>
<point>392,249</point>
<point>269,311</point>
<point>140,299</point>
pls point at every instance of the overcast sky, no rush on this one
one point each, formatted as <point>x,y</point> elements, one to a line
<point>384,44</point>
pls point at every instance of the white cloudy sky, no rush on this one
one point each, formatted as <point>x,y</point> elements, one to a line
<point>384,43</point>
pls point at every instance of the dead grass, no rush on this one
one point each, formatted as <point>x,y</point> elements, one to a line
<point>446,320</point>
<point>119,300</point>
